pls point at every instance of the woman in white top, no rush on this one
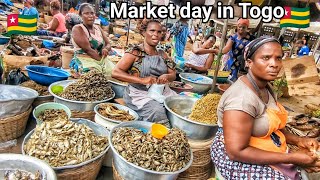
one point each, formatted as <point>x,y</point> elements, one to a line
<point>202,56</point>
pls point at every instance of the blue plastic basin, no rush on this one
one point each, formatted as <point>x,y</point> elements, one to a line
<point>4,40</point>
<point>46,75</point>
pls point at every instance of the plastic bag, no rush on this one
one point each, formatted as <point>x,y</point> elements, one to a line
<point>16,77</point>
<point>155,92</point>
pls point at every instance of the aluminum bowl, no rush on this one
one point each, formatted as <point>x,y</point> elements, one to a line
<point>75,105</point>
<point>183,106</point>
<point>50,105</point>
<point>15,99</point>
<point>131,171</point>
<point>202,84</point>
<point>97,129</point>
<point>119,106</point>
<point>118,88</point>
<point>25,163</point>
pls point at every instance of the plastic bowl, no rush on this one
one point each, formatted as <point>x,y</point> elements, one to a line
<point>4,40</point>
<point>49,105</point>
<point>185,88</point>
<point>46,75</point>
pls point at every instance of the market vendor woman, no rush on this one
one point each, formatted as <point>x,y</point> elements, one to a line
<point>251,142</point>
<point>142,66</point>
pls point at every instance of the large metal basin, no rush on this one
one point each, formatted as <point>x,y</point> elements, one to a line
<point>75,105</point>
<point>118,88</point>
<point>131,171</point>
<point>15,99</point>
<point>25,163</point>
<point>200,86</point>
<point>183,107</point>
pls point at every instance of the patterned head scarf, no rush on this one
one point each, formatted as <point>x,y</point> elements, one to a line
<point>254,45</point>
<point>73,19</point>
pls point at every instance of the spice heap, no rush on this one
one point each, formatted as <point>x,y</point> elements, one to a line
<point>42,90</point>
<point>63,142</point>
<point>112,112</point>
<point>52,114</point>
<point>204,110</point>
<point>92,86</point>
<point>171,153</point>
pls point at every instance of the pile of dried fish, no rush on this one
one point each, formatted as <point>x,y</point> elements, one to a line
<point>42,90</point>
<point>53,114</point>
<point>21,175</point>
<point>92,86</point>
<point>171,153</point>
<point>204,110</point>
<point>112,112</point>
<point>303,125</point>
<point>63,142</point>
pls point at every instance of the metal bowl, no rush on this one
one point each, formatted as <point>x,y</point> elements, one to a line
<point>75,105</point>
<point>201,85</point>
<point>97,129</point>
<point>25,163</point>
<point>119,106</point>
<point>118,88</point>
<point>131,171</point>
<point>50,105</point>
<point>15,99</point>
<point>183,107</point>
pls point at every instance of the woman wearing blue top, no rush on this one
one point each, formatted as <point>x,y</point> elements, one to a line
<point>29,9</point>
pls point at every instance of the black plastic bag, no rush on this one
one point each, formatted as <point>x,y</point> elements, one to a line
<point>16,77</point>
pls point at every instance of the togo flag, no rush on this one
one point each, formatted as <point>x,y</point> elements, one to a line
<point>296,17</point>
<point>22,24</point>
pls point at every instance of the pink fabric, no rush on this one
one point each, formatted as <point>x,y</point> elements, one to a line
<point>198,60</point>
<point>97,34</point>
<point>62,23</point>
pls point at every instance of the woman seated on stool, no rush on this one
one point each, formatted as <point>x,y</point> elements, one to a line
<point>144,65</point>
<point>251,142</point>
<point>201,58</point>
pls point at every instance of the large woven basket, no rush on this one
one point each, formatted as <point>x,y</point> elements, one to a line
<point>116,175</point>
<point>87,172</point>
<point>14,126</point>
<point>195,171</point>
<point>85,115</point>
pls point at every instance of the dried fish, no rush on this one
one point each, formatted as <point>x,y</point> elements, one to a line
<point>42,90</point>
<point>52,114</point>
<point>21,175</point>
<point>92,86</point>
<point>204,110</point>
<point>63,142</point>
<point>168,154</point>
<point>112,112</point>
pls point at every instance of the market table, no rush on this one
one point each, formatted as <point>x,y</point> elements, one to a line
<point>297,103</point>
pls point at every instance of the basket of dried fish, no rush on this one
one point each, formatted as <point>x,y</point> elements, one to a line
<point>115,113</point>
<point>83,94</point>
<point>186,113</point>
<point>18,166</point>
<point>44,95</point>
<point>138,154</point>
<point>51,111</point>
<point>73,148</point>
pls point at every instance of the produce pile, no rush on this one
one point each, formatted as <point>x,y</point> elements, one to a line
<point>42,90</point>
<point>169,154</point>
<point>21,175</point>
<point>63,142</point>
<point>92,86</point>
<point>112,112</point>
<point>204,110</point>
<point>52,114</point>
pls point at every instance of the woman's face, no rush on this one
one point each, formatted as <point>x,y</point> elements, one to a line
<point>209,43</point>
<point>242,28</point>
<point>266,63</point>
<point>88,15</point>
<point>153,34</point>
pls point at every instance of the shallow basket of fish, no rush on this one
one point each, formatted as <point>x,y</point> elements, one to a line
<point>18,166</point>
<point>138,155</point>
<point>115,113</point>
<point>74,149</point>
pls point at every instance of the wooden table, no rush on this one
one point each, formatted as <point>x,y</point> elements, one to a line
<point>297,103</point>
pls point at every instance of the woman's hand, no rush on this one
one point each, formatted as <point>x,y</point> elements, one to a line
<point>308,143</point>
<point>149,80</point>
<point>303,158</point>
<point>163,79</point>
<point>188,65</point>
<point>105,52</point>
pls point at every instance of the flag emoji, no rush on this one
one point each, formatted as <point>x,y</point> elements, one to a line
<point>21,24</point>
<point>296,17</point>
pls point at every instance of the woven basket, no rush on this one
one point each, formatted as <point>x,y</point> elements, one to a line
<point>116,175</point>
<point>14,126</point>
<point>41,20</point>
<point>196,171</point>
<point>67,53</point>
<point>47,19</point>
<point>87,172</point>
<point>85,115</point>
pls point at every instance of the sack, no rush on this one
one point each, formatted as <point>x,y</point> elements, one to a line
<point>155,92</point>
<point>16,77</point>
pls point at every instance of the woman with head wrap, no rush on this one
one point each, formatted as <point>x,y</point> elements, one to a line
<point>72,19</point>
<point>251,142</point>
<point>235,47</point>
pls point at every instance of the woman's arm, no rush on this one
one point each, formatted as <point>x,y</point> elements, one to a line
<point>54,25</point>
<point>228,47</point>
<point>237,127</point>
<point>308,143</point>
<point>170,76</point>
<point>207,65</point>
<point>83,43</point>
<point>120,72</point>
<point>106,40</point>
<point>199,50</point>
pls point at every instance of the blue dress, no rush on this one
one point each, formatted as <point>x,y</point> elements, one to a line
<point>303,51</point>
<point>180,32</point>
<point>30,11</point>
